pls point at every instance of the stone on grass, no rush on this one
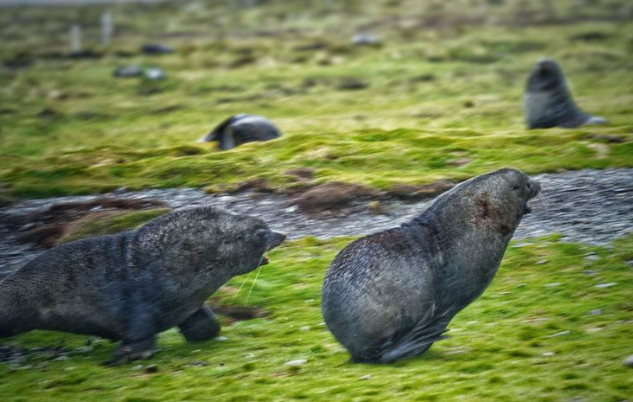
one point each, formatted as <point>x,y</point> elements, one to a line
<point>155,74</point>
<point>128,71</point>
<point>296,363</point>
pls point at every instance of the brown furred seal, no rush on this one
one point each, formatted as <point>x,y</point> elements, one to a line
<point>392,294</point>
<point>136,284</point>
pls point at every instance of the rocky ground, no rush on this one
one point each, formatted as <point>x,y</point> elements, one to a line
<point>588,206</point>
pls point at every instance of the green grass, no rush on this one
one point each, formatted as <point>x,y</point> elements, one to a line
<point>503,347</point>
<point>443,101</point>
<point>436,96</point>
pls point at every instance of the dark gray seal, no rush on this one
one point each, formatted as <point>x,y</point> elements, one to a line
<point>242,128</point>
<point>548,101</point>
<point>391,295</point>
<point>135,284</point>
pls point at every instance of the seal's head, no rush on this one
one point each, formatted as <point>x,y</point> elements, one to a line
<point>546,76</point>
<point>500,198</point>
<point>494,202</point>
<point>207,240</point>
<point>522,189</point>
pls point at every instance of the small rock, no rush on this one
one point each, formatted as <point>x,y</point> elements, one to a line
<point>595,312</point>
<point>606,285</point>
<point>548,354</point>
<point>128,71</point>
<point>305,328</point>
<point>152,368</point>
<point>376,208</point>
<point>303,173</point>
<point>296,363</point>
<point>155,49</point>
<point>366,377</point>
<point>459,162</point>
<point>155,74</point>
<point>540,262</point>
<point>628,362</point>
<point>352,84</point>
<point>553,284</point>
<point>221,338</point>
<point>561,333</point>
<point>365,39</point>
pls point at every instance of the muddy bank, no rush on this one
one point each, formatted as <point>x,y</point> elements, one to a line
<point>589,206</point>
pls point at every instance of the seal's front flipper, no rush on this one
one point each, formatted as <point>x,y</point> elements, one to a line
<point>202,325</point>
<point>133,350</point>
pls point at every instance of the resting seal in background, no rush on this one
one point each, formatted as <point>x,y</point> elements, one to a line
<point>390,295</point>
<point>242,128</point>
<point>135,284</point>
<point>548,102</point>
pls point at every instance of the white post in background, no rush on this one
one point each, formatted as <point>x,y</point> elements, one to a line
<point>75,38</point>
<point>107,28</point>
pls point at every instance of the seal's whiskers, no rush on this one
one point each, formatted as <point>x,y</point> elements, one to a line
<point>253,284</point>
<point>243,283</point>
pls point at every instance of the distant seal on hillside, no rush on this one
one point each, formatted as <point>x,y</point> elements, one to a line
<point>241,128</point>
<point>391,295</point>
<point>135,284</point>
<point>548,101</point>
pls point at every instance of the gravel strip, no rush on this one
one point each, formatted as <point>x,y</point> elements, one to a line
<point>588,206</point>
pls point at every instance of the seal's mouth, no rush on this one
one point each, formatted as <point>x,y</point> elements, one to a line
<point>534,188</point>
<point>274,240</point>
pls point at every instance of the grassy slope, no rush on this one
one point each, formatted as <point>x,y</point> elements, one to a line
<point>69,127</point>
<point>496,351</point>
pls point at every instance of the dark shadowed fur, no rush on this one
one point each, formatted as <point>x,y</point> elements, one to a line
<point>133,285</point>
<point>392,294</point>
<point>241,128</point>
<point>548,101</point>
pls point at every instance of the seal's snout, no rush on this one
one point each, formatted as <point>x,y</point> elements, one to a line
<point>534,188</point>
<point>275,239</point>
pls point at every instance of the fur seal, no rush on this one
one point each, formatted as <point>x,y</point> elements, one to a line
<point>241,128</point>
<point>392,294</point>
<point>548,101</point>
<point>135,284</point>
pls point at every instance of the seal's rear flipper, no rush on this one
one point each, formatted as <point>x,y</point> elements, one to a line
<point>415,342</point>
<point>202,325</point>
<point>133,350</point>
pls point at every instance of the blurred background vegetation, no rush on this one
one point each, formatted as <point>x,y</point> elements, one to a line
<point>439,96</point>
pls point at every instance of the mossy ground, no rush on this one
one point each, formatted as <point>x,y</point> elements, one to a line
<point>443,101</point>
<point>531,336</point>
